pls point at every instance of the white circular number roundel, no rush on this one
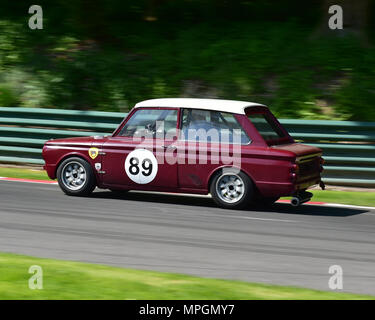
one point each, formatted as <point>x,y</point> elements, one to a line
<point>141,166</point>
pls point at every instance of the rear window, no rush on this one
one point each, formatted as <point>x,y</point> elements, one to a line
<point>267,127</point>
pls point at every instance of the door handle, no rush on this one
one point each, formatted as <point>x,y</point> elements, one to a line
<point>169,147</point>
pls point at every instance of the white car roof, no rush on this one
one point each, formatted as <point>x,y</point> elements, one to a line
<point>231,106</point>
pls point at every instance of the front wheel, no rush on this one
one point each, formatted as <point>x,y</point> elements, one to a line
<point>231,190</point>
<point>76,177</point>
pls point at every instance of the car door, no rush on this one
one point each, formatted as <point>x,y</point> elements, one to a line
<point>135,156</point>
<point>208,140</point>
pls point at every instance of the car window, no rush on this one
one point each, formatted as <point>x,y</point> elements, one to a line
<point>211,126</point>
<point>146,122</point>
<point>266,126</point>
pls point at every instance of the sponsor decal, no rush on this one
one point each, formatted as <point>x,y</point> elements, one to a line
<point>93,153</point>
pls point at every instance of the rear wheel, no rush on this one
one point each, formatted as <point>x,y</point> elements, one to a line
<point>76,177</point>
<point>231,190</point>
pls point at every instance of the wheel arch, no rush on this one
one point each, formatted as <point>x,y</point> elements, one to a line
<point>216,170</point>
<point>74,155</point>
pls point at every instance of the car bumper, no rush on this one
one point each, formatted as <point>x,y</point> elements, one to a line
<point>51,170</point>
<point>278,189</point>
<point>306,183</point>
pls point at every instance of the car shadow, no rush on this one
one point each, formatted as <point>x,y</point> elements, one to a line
<point>157,197</point>
<point>197,201</point>
<point>311,210</point>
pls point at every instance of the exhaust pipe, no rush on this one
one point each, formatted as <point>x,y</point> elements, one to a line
<point>300,198</point>
<point>295,202</point>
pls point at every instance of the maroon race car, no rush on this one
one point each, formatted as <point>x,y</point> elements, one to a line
<point>235,150</point>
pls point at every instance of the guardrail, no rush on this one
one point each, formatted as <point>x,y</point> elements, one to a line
<point>349,147</point>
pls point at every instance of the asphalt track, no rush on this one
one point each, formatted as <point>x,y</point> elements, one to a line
<point>183,234</point>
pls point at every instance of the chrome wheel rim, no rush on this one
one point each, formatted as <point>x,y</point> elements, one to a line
<point>230,188</point>
<point>73,176</point>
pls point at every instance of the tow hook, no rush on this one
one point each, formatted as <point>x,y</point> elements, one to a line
<point>322,185</point>
<point>300,197</point>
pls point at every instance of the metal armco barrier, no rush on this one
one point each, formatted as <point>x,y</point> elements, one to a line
<point>349,147</point>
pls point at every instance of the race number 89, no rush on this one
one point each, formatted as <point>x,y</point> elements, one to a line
<point>141,166</point>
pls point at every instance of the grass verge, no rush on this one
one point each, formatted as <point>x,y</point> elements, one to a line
<point>76,280</point>
<point>345,197</point>
<point>357,198</point>
<point>11,172</point>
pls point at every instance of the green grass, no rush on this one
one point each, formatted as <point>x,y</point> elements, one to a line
<point>76,280</point>
<point>345,197</point>
<point>359,198</point>
<point>23,173</point>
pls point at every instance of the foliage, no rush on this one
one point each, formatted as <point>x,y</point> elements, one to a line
<point>111,57</point>
<point>7,97</point>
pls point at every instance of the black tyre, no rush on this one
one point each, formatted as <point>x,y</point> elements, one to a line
<point>76,177</point>
<point>231,189</point>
